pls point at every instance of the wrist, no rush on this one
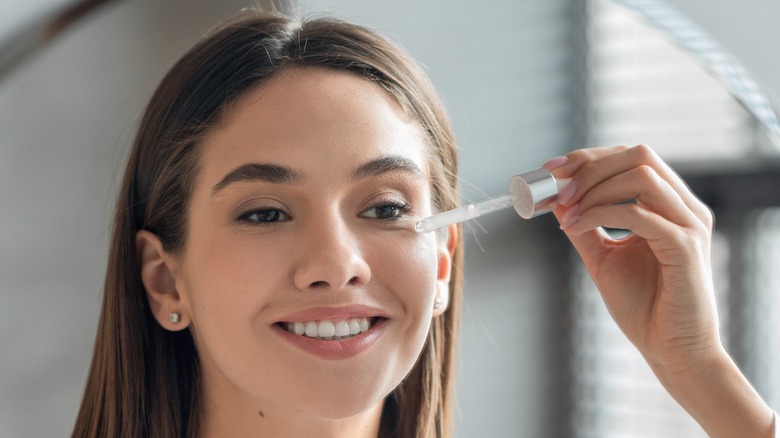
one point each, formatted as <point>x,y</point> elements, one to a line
<point>711,360</point>
<point>717,395</point>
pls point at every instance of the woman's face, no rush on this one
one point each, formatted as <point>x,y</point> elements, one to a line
<point>301,220</point>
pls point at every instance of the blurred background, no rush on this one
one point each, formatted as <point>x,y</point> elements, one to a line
<point>523,81</point>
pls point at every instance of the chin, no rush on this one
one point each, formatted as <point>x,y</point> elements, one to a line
<point>341,406</point>
<point>342,401</point>
<point>342,412</point>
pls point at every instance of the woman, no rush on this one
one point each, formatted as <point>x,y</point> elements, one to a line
<point>265,278</point>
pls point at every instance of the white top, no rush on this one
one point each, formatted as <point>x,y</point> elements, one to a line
<point>777,426</point>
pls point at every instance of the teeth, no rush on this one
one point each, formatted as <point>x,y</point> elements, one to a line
<point>325,329</point>
<point>330,330</point>
<point>341,328</point>
<point>354,327</point>
<point>311,329</point>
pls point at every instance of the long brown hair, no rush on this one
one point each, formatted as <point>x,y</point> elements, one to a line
<point>144,380</point>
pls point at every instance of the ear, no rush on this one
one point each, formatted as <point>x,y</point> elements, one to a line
<point>157,274</point>
<point>445,252</point>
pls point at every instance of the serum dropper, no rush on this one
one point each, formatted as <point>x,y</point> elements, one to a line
<point>531,194</point>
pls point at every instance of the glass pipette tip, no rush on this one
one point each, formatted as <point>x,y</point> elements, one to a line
<point>461,214</point>
<point>531,194</point>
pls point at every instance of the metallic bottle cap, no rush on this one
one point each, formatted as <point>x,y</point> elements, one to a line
<point>534,192</point>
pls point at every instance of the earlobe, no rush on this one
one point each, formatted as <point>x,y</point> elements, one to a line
<point>157,274</point>
<point>446,252</point>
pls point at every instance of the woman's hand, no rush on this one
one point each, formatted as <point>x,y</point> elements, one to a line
<point>657,283</point>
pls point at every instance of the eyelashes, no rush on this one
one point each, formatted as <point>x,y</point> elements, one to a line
<point>263,216</point>
<point>384,211</point>
<point>392,210</point>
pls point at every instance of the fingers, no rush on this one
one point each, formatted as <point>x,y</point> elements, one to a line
<point>648,189</point>
<point>592,168</point>
<point>672,244</point>
<point>572,162</point>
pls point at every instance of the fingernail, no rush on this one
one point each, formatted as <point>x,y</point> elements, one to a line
<point>574,209</point>
<point>554,163</point>
<point>570,221</point>
<point>567,193</point>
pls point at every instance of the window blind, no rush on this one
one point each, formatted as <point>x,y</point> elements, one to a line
<point>758,337</point>
<point>643,89</point>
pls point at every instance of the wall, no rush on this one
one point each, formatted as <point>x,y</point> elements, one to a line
<point>68,116</point>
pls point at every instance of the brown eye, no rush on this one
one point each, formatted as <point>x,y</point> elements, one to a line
<point>264,216</point>
<point>386,211</point>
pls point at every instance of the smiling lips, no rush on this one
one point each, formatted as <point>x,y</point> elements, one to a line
<point>333,333</point>
<point>330,330</point>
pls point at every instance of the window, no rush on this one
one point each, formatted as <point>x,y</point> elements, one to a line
<point>643,89</point>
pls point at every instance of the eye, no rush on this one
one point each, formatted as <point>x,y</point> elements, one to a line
<point>264,216</point>
<point>386,211</point>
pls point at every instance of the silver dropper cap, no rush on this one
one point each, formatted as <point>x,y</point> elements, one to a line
<point>534,192</point>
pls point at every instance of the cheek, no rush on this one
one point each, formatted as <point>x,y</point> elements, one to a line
<point>229,278</point>
<point>407,266</point>
<point>409,271</point>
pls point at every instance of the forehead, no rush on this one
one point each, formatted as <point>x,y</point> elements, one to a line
<point>313,118</point>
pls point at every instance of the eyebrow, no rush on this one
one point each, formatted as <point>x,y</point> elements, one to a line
<point>271,173</point>
<point>276,174</point>
<point>389,163</point>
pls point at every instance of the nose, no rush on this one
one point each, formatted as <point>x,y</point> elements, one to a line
<point>331,257</point>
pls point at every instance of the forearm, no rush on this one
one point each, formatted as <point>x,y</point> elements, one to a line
<point>720,399</point>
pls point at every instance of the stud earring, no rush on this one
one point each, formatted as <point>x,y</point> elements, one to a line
<point>174,318</point>
<point>438,303</point>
